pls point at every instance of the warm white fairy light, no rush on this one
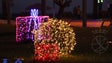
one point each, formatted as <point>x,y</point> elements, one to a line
<point>57,32</point>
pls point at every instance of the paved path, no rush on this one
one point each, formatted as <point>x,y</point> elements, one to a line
<point>90,23</point>
<point>76,23</point>
<point>5,22</point>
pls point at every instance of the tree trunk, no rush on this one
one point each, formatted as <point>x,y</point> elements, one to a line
<point>84,8</point>
<point>95,9</point>
<point>8,11</point>
<point>4,9</point>
<point>60,12</point>
<point>43,7</point>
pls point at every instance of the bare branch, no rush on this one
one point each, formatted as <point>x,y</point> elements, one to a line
<point>67,3</point>
<point>58,2</point>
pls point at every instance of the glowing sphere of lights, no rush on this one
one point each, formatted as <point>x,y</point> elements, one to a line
<point>56,32</point>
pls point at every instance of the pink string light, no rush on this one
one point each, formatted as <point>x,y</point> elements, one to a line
<point>24,26</point>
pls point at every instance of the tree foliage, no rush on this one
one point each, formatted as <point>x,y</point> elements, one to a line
<point>64,3</point>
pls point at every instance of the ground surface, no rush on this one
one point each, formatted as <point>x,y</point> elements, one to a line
<point>83,52</point>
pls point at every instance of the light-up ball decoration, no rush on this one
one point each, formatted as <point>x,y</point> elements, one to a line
<point>56,32</point>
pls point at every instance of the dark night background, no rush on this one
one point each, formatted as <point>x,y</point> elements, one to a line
<point>20,5</point>
<point>97,19</point>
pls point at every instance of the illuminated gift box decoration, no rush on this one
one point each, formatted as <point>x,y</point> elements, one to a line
<point>24,26</point>
<point>46,52</point>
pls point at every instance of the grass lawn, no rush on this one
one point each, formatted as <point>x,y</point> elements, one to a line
<point>83,51</point>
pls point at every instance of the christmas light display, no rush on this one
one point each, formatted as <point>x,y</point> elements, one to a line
<point>46,52</point>
<point>39,35</point>
<point>21,31</point>
<point>60,34</point>
<point>24,26</point>
<point>34,13</point>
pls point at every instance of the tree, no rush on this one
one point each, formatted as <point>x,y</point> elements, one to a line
<point>84,12</point>
<point>43,7</point>
<point>95,10</point>
<point>6,9</point>
<point>9,3</point>
<point>62,5</point>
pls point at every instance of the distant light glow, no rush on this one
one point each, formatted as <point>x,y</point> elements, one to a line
<point>5,60</point>
<point>18,61</point>
<point>100,1</point>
